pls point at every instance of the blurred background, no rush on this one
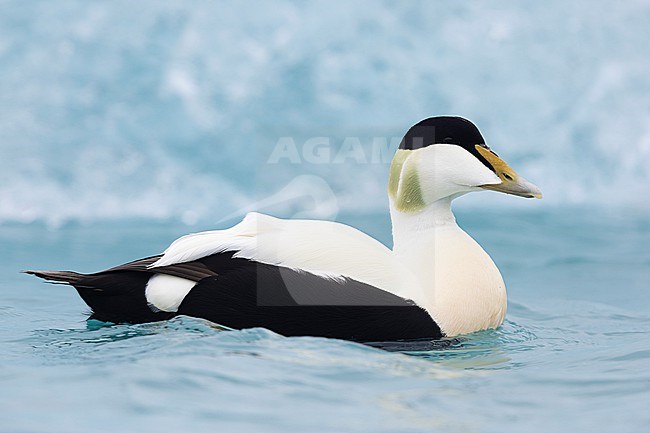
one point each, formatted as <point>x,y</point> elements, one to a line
<point>171,110</point>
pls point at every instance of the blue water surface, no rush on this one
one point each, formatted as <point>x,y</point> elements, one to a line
<point>572,355</point>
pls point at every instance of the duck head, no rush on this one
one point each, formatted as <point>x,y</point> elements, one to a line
<point>446,156</point>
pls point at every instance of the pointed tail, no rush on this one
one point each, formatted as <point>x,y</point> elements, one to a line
<point>62,277</point>
<point>114,296</point>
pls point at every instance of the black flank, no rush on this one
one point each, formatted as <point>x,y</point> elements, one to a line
<point>240,293</point>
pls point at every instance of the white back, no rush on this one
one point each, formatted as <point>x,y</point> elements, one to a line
<point>325,248</point>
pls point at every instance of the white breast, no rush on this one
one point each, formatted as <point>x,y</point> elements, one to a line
<point>464,288</point>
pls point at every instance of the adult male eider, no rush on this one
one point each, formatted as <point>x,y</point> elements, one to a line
<point>322,278</point>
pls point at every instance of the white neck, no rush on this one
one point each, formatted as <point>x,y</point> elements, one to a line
<point>463,288</point>
<point>408,226</point>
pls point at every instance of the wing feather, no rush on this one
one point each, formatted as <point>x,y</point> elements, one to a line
<point>324,248</point>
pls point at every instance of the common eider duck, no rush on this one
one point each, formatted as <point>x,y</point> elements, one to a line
<point>327,279</point>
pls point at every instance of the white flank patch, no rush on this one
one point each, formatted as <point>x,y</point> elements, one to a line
<point>166,292</point>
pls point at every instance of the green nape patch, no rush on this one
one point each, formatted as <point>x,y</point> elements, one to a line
<point>396,170</point>
<point>404,183</point>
